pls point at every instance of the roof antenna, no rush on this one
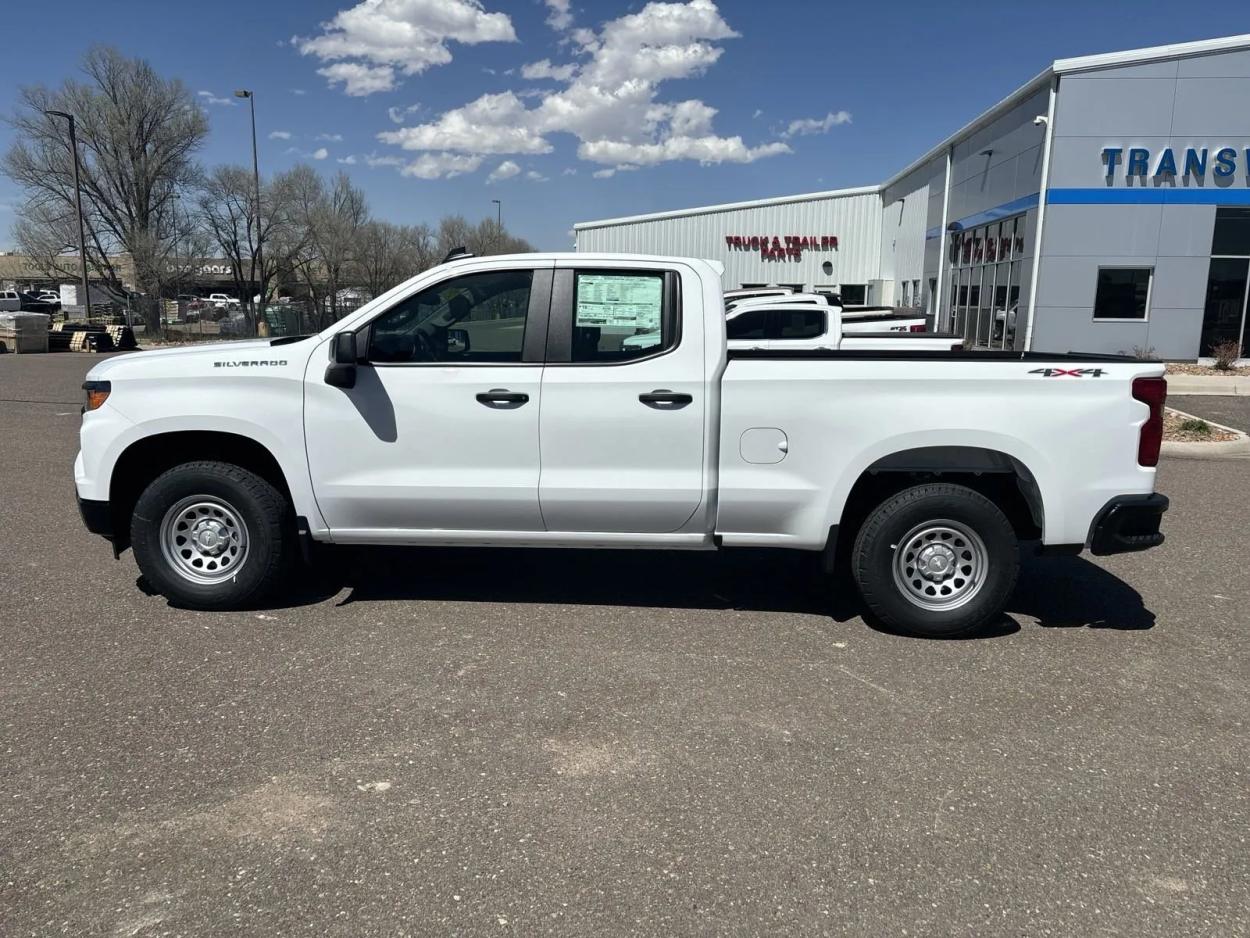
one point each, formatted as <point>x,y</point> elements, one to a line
<point>458,254</point>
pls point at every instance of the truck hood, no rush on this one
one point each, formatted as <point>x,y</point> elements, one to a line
<point>210,350</point>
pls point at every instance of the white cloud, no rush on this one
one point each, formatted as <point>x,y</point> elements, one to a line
<point>535,176</point>
<point>347,160</point>
<point>559,16</point>
<point>816,125</point>
<point>209,98</point>
<point>377,38</point>
<point>706,150</point>
<point>609,102</point>
<point>320,153</point>
<point>441,165</point>
<point>360,80</point>
<point>603,173</point>
<point>494,123</point>
<point>399,114</point>
<point>330,138</point>
<point>544,69</point>
<point>758,113</point>
<point>279,135</point>
<point>300,92</point>
<point>505,170</point>
<point>569,171</point>
<point>373,161</point>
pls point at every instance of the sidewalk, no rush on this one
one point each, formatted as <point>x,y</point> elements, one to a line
<point>1179,384</point>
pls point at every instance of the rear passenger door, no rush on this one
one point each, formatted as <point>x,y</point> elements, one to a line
<point>623,401</point>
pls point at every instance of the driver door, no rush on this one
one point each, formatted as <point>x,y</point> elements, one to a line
<point>440,433</point>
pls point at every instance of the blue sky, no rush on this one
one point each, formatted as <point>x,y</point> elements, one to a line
<point>570,111</point>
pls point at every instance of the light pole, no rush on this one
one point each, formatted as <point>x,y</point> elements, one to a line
<point>82,228</point>
<point>260,239</point>
<point>498,222</point>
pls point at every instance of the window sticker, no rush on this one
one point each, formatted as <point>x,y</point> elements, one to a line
<point>619,302</point>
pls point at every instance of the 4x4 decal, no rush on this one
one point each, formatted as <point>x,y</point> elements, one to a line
<point>1068,372</point>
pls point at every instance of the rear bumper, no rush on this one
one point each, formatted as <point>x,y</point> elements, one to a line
<point>97,517</point>
<point>1128,523</point>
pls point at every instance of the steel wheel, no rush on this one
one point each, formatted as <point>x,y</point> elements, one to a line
<point>204,539</point>
<point>940,565</point>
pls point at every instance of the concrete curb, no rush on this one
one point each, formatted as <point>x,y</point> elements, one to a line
<point>1229,449</point>
<point>1222,385</point>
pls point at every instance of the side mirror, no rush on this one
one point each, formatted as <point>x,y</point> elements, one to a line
<point>458,342</point>
<point>341,372</point>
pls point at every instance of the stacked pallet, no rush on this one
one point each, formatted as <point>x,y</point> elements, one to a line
<point>25,332</point>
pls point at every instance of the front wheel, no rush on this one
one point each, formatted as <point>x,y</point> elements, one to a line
<point>211,535</point>
<point>936,560</point>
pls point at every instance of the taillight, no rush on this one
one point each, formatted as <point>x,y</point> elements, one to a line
<point>919,328</point>
<point>1152,392</point>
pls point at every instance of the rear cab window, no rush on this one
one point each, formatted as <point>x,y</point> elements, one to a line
<point>614,316</point>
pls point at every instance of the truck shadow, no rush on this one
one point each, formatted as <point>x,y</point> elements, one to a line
<point>1059,592</point>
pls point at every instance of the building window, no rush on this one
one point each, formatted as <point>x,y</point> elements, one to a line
<point>854,294</point>
<point>985,283</point>
<point>1123,293</point>
<point>1232,232</point>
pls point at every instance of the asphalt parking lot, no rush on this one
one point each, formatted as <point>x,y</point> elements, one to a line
<point>1230,411</point>
<point>603,743</point>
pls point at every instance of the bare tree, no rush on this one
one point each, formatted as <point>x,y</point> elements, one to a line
<point>329,219</point>
<point>388,254</point>
<point>227,206</point>
<point>138,133</point>
<point>486,237</point>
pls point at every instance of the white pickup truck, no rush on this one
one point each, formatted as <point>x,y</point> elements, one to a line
<point>492,401</point>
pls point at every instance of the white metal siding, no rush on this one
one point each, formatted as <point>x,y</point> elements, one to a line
<point>902,237</point>
<point>854,219</point>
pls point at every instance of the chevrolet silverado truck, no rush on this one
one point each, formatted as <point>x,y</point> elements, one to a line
<point>494,401</point>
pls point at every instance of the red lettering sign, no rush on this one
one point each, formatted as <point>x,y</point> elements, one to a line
<point>781,247</point>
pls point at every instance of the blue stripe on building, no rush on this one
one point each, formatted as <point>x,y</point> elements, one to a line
<point>1207,195</point>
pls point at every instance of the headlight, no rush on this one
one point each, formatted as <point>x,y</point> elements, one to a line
<point>97,394</point>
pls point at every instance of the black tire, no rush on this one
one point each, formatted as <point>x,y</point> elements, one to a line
<point>904,519</point>
<point>268,523</point>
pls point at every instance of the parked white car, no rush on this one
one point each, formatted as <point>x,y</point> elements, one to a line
<point>220,300</point>
<point>819,299</point>
<point>747,293</point>
<point>493,401</point>
<point>809,326</point>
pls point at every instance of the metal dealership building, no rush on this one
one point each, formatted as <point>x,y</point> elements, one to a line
<point>1102,207</point>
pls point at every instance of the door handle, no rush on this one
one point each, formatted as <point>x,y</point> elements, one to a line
<point>664,399</point>
<point>502,398</point>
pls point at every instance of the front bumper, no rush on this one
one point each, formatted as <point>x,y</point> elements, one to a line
<point>97,516</point>
<point>1128,523</point>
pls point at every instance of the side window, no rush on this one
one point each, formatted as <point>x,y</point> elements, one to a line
<point>800,323</point>
<point>474,318</point>
<point>618,316</point>
<point>752,324</point>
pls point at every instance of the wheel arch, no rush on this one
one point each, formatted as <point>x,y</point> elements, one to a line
<point>148,457</point>
<point>1002,478</point>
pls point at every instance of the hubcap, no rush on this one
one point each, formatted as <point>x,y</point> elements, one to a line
<point>940,565</point>
<point>204,539</point>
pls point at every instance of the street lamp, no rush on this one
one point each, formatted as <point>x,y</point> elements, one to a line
<point>82,228</point>
<point>498,222</point>
<point>260,252</point>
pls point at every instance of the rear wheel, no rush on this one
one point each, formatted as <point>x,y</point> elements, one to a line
<point>211,535</point>
<point>936,560</point>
